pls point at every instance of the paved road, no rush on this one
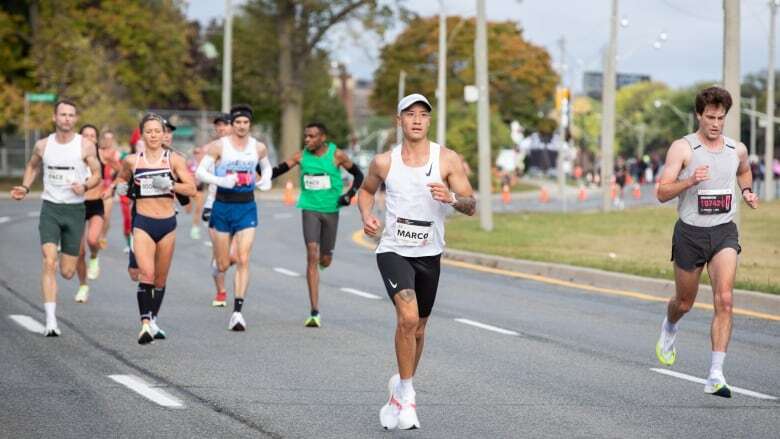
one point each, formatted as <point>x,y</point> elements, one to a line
<point>563,363</point>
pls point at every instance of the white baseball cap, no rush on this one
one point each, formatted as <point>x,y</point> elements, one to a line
<point>412,99</point>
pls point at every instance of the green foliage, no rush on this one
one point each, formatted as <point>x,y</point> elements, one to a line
<point>462,132</point>
<point>522,81</point>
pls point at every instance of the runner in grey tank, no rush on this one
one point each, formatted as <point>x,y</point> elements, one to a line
<point>703,170</point>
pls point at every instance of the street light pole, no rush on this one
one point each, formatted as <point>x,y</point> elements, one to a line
<point>227,57</point>
<point>441,113</point>
<point>753,104</point>
<point>769,150</point>
<point>483,121</point>
<point>608,109</point>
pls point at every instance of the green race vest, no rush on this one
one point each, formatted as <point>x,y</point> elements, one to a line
<point>321,183</point>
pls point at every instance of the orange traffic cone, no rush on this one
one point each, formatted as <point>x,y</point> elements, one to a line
<point>629,179</point>
<point>583,194</point>
<point>506,196</point>
<point>544,197</point>
<point>637,191</point>
<point>289,197</point>
<point>614,191</point>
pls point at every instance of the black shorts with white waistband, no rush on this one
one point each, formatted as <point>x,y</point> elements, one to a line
<point>420,274</point>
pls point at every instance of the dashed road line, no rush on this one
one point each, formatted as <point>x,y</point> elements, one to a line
<point>486,327</point>
<point>286,272</point>
<point>27,323</point>
<point>4,219</point>
<point>139,386</point>
<point>361,293</point>
<point>694,379</point>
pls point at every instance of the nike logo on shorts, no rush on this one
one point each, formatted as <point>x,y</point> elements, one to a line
<point>392,284</point>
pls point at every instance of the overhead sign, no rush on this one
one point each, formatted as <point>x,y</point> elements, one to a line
<point>40,97</point>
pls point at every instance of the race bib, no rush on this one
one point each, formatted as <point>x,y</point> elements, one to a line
<point>413,233</point>
<point>319,182</point>
<point>148,190</point>
<point>715,201</point>
<point>60,176</point>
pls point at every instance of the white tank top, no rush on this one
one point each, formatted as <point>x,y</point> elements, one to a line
<point>63,165</point>
<point>414,221</point>
<point>235,161</point>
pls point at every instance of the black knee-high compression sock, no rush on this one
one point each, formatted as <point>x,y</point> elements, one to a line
<point>145,300</point>
<point>237,304</point>
<point>159,293</point>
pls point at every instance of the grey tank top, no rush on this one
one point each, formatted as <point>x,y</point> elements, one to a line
<point>711,202</point>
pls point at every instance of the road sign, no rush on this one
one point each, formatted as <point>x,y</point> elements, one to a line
<point>40,97</point>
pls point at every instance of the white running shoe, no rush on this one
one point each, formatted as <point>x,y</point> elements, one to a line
<point>407,418</point>
<point>51,331</point>
<point>716,385</point>
<point>237,322</point>
<point>157,333</point>
<point>83,294</point>
<point>93,268</point>
<point>388,415</point>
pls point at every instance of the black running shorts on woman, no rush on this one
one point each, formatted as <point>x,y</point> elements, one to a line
<point>420,274</point>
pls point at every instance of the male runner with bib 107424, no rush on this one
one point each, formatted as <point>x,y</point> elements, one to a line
<point>702,169</point>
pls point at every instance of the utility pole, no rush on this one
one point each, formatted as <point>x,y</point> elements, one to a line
<point>731,80</point>
<point>399,134</point>
<point>608,109</point>
<point>483,121</point>
<point>441,94</point>
<point>561,128</point>
<point>769,150</point>
<point>227,58</point>
<point>753,104</point>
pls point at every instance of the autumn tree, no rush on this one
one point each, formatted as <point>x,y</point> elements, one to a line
<point>522,80</point>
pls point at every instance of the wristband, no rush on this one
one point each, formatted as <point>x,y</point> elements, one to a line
<point>746,189</point>
<point>26,189</point>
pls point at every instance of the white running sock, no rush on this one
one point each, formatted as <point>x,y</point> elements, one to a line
<point>404,389</point>
<point>716,368</point>
<point>51,318</point>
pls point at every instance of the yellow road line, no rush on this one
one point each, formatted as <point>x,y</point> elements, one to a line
<point>359,239</point>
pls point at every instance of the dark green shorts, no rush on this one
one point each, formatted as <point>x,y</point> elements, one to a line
<point>62,224</point>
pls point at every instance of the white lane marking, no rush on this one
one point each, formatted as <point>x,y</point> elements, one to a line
<point>33,214</point>
<point>286,272</point>
<point>361,293</point>
<point>487,327</point>
<point>137,385</point>
<point>207,243</point>
<point>27,323</point>
<point>283,215</point>
<point>703,381</point>
<point>4,219</point>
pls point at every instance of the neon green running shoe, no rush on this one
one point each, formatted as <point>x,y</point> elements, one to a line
<point>667,358</point>
<point>312,321</point>
<point>83,294</point>
<point>93,268</point>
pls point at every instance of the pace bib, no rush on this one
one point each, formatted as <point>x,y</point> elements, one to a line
<point>715,201</point>
<point>60,175</point>
<point>318,182</point>
<point>413,233</point>
<point>148,190</point>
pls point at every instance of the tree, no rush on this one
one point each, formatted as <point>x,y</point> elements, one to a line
<point>634,106</point>
<point>522,81</point>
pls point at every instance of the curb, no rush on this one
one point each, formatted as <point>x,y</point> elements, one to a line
<point>663,289</point>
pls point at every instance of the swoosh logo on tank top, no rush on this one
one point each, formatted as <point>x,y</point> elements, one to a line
<point>428,174</point>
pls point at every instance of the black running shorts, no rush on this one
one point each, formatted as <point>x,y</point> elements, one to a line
<point>93,208</point>
<point>692,246</point>
<point>420,274</point>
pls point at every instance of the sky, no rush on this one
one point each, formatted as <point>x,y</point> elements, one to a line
<point>691,52</point>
